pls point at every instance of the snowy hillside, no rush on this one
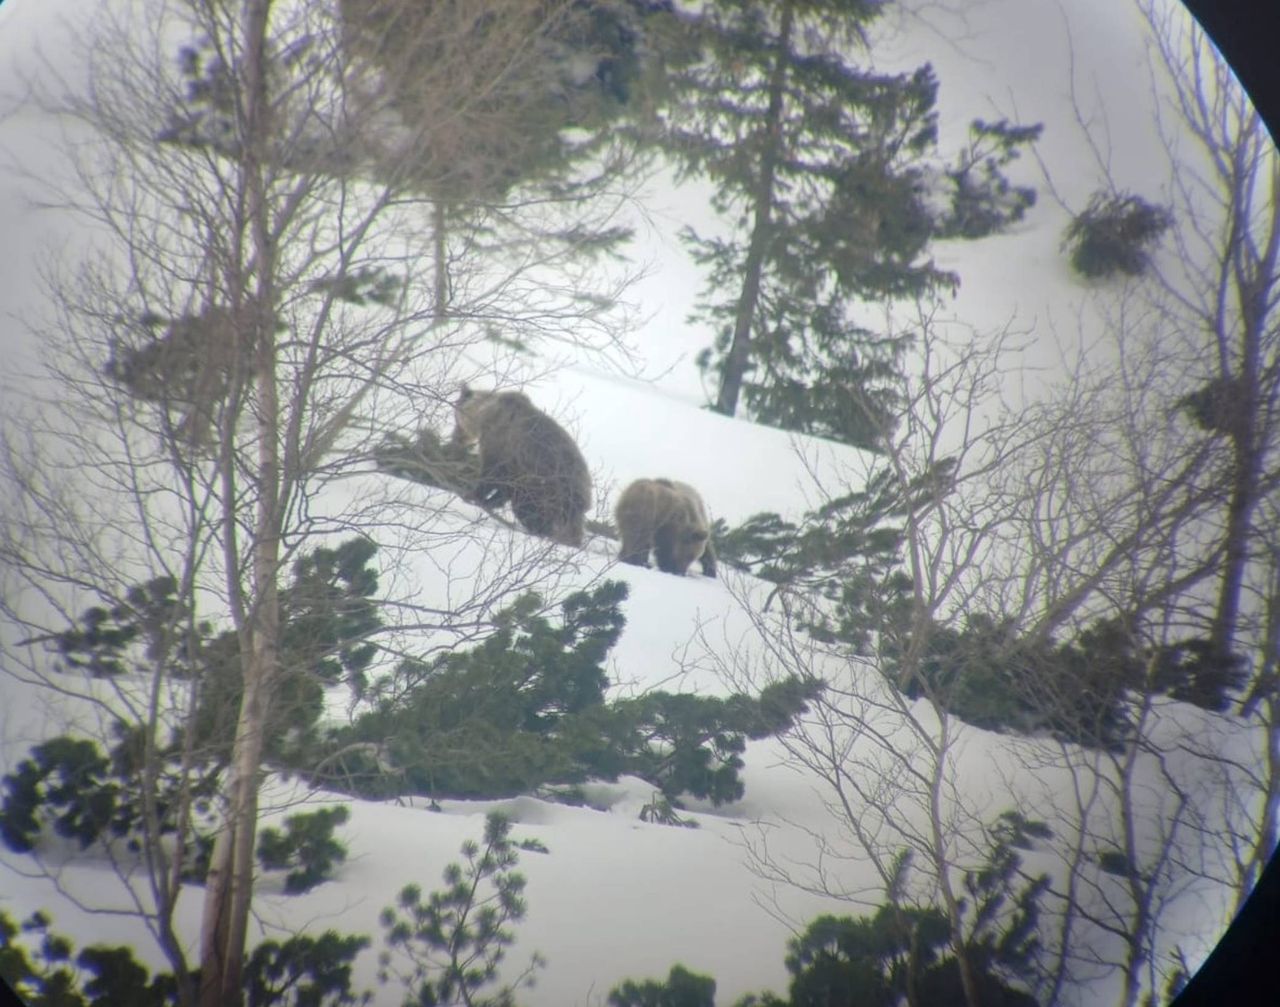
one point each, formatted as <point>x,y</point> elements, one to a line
<point>614,897</point>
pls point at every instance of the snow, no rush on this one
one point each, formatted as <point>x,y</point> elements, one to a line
<point>615,897</point>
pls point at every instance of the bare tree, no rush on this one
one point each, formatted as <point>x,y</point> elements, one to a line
<point>1222,283</point>
<point>1203,329</point>
<point>1044,582</point>
<point>260,297</point>
<point>890,755</point>
<point>1220,293</point>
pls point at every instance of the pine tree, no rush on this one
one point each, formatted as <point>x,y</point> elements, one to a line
<point>826,176</point>
<point>526,708</point>
<point>301,971</point>
<point>681,989</point>
<point>306,848</point>
<point>455,939</point>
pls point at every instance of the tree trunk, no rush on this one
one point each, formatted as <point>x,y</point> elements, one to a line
<point>1253,272</point>
<point>735,364</point>
<point>439,232</point>
<point>229,885</point>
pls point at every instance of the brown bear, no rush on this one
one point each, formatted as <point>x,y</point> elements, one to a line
<point>527,458</point>
<point>669,518</point>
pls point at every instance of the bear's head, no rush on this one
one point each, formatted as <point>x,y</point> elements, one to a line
<point>677,550</point>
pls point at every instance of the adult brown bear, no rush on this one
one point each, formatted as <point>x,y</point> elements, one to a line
<point>527,458</point>
<point>669,518</point>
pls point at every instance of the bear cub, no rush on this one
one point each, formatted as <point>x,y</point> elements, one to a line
<point>527,458</point>
<point>669,518</point>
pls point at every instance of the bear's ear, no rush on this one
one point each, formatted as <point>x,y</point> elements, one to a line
<point>464,393</point>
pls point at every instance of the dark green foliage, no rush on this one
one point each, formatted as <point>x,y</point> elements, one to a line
<point>984,201</point>
<point>117,978</point>
<point>1003,911</point>
<point>47,980</point>
<point>903,953</point>
<point>300,972</point>
<point>306,849</point>
<point>660,812</point>
<point>1217,407</point>
<point>1115,234</point>
<point>864,960</point>
<point>979,668</point>
<point>69,781</point>
<point>455,939</point>
<point>827,174</point>
<point>98,976</point>
<point>1116,862</point>
<point>327,613</point>
<point>1193,671</point>
<point>847,551</point>
<point>900,953</point>
<point>681,989</point>
<point>1078,690</point>
<point>693,744</point>
<point>499,719</point>
<point>526,708</point>
<point>102,642</point>
<point>70,785</point>
<point>304,972</point>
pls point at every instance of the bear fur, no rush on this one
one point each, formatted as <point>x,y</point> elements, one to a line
<point>669,518</point>
<point>527,458</point>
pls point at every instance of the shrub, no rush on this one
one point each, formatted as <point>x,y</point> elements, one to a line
<point>306,849</point>
<point>526,709</point>
<point>681,989</point>
<point>300,972</point>
<point>1115,234</point>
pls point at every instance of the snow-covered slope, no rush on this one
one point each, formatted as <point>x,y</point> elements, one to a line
<point>613,897</point>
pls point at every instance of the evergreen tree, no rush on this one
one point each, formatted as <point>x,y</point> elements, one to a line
<point>306,848</point>
<point>978,667</point>
<point>1115,234</point>
<point>527,708</point>
<point>146,786</point>
<point>681,989</point>
<point>455,939</point>
<point>826,175</point>
<point>298,972</point>
<point>909,954</point>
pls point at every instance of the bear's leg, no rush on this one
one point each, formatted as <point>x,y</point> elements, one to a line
<point>570,530</point>
<point>708,561</point>
<point>532,515</point>
<point>635,550</point>
<point>664,551</point>
<point>493,487</point>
